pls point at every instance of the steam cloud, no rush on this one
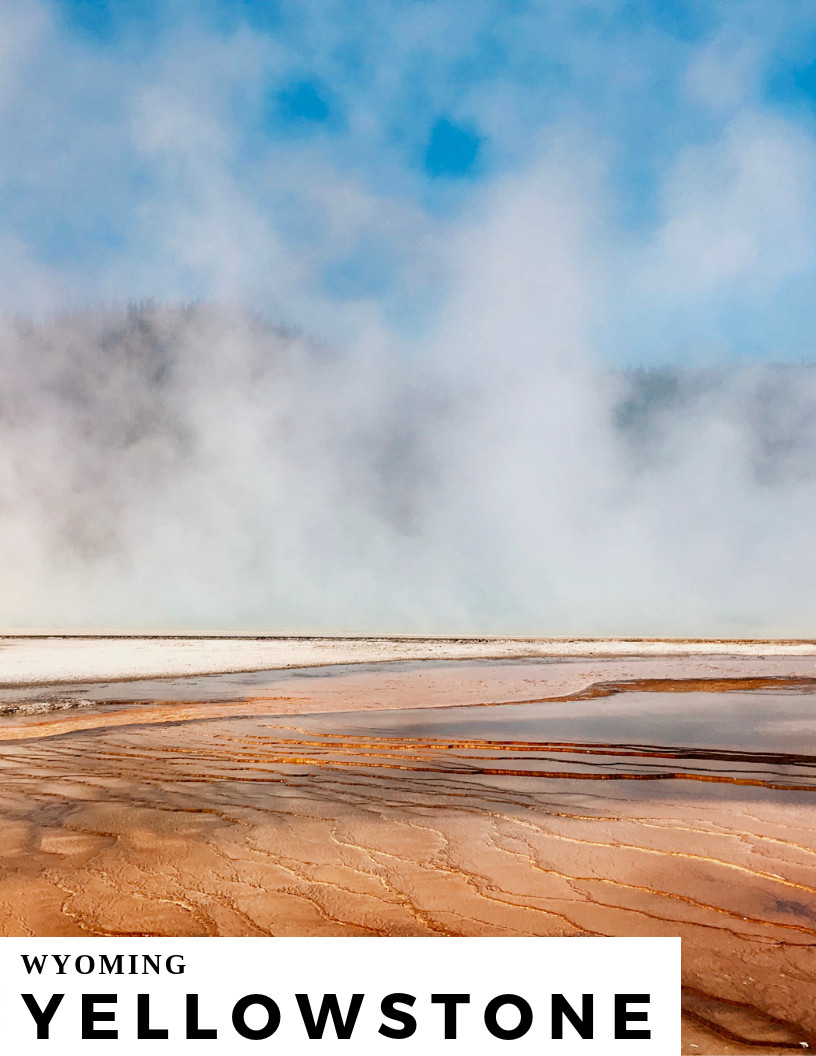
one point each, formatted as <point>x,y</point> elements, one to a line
<point>199,468</point>
<point>467,448</point>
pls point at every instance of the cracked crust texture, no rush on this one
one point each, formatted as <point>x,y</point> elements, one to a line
<point>363,801</point>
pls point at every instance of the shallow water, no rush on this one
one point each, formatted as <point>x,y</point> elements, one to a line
<point>757,720</point>
<point>765,738</point>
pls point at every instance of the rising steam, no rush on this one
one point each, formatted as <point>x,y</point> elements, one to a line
<point>198,468</point>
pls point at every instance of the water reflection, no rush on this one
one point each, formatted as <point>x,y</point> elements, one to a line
<point>763,739</point>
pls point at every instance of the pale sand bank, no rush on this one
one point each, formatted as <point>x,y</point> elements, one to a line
<point>37,660</point>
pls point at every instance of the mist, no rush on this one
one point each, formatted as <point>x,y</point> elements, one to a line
<point>197,468</point>
<point>274,370</point>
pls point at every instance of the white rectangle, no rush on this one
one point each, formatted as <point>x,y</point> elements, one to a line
<point>237,987</point>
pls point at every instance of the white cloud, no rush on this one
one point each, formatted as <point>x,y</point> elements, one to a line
<point>739,212</point>
<point>725,75</point>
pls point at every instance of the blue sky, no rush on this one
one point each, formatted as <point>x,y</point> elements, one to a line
<point>327,162</point>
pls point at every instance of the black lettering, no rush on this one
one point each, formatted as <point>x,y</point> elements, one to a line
<point>84,957</point>
<point>110,963</point>
<point>179,969</point>
<point>624,1016</point>
<point>450,1001</point>
<point>62,960</point>
<point>583,1023</point>
<point>239,1020</point>
<point>508,1033</point>
<point>42,1016</point>
<point>154,962</point>
<point>194,1032</point>
<point>329,1006</point>
<point>144,1032</point>
<point>35,962</point>
<point>91,1015</point>
<point>390,1011</point>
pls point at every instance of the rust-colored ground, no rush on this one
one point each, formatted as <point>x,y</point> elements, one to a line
<point>363,803</point>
